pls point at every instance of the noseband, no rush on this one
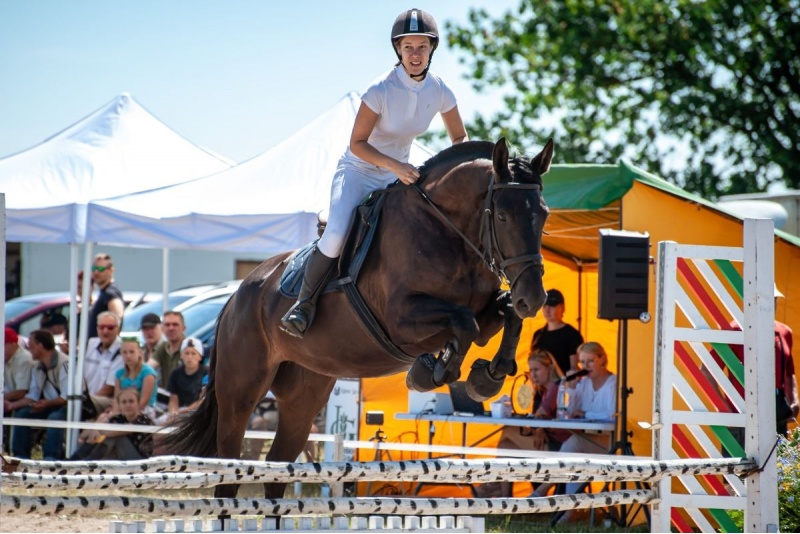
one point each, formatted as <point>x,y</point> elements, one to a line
<point>488,235</point>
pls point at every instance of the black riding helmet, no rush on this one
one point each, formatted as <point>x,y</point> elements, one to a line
<point>415,22</point>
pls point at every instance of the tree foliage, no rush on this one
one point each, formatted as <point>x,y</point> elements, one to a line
<point>719,80</point>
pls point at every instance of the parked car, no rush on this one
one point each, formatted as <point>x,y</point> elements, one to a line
<point>133,316</point>
<point>23,314</point>
<point>199,312</point>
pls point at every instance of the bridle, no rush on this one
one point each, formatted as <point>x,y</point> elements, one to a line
<point>491,254</point>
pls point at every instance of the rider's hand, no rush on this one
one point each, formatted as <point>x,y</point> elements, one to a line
<point>406,173</point>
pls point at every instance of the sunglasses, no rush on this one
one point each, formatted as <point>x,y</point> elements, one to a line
<point>100,268</point>
<point>106,326</point>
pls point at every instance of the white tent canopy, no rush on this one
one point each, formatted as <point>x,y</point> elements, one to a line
<point>266,204</point>
<point>119,149</point>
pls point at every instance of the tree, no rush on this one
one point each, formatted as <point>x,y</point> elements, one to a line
<point>719,80</point>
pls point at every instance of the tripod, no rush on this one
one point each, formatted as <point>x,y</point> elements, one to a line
<point>380,437</point>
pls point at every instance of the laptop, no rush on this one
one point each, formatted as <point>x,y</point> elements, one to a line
<point>462,402</point>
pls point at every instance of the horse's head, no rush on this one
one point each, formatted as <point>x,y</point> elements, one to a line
<point>515,216</point>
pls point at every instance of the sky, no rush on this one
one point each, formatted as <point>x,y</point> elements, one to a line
<point>233,76</point>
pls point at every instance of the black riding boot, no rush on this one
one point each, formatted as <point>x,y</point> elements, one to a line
<point>299,317</point>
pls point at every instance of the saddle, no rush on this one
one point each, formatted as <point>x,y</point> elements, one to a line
<point>360,236</point>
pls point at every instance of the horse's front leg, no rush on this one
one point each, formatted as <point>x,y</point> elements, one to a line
<point>423,320</point>
<point>486,378</point>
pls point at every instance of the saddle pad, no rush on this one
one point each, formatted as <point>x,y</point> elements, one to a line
<point>292,277</point>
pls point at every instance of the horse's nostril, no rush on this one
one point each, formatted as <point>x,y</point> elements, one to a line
<point>522,305</point>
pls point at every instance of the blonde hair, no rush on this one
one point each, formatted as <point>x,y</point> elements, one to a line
<point>593,347</point>
<point>546,359</point>
<point>128,390</point>
<point>133,371</point>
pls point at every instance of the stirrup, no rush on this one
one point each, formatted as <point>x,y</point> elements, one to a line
<point>297,320</point>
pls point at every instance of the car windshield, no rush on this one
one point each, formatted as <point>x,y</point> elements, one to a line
<point>133,317</point>
<point>203,312</point>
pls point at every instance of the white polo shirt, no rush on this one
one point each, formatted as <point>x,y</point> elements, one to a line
<point>100,366</point>
<point>405,109</point>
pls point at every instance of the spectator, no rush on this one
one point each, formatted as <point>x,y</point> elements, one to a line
<point>58,325</point>
<point>152,335</point>
<point>113,444</point>
<point>557,337</point>
<point>544,375</point>
<point>594,397</point>
<point>17,373</point>
<point>265,419</point>
<point>785,379</point>
<point>137,375</point>
<point>186,381</point>
<point>110,297</point>
<point>102,361</point>
<point>168,356</point>
<point>46,398</point>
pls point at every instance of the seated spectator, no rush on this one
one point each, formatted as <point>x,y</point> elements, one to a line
<point>186,381</point>
<point>58,325</point>
<point>544,374</point>
<point>17,372</point>
<point>594,397</point>
<point>150,327</point>
<point>168,356</point>
<point>102,361</point>
<point>117,445</point>
<point>46,398</point>
<point>136,374</point>
<point>264,418</point>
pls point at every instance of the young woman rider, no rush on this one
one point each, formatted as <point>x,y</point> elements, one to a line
<point>394,110</point>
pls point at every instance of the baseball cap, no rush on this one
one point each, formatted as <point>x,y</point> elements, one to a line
<point>778,292</point>
<point>53,319</point>
<point>193,342</point>
<point>151,319</point>
<point>11,336</point>
<point>554,298</point>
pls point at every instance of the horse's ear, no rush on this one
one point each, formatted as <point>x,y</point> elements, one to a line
<point>500,159</point>
<point>541,162</point>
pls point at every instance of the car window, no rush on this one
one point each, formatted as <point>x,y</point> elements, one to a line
<point>34,322</point>
<point>203,312</point>
<point>133,317</point>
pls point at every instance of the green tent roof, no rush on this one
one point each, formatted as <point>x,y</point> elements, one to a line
<point>586,198</point>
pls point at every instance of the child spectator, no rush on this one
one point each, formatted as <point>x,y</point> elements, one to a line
<point>136,374</point>
<point>116,445</point>
<point>186,381</point>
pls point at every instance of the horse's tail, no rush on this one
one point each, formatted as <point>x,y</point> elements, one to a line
<point>195,433</point>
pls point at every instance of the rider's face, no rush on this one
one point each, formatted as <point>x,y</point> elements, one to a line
<point>415,52</point>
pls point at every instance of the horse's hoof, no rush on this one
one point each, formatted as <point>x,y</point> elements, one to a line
<point>420,376</point>
<point>481,386</point>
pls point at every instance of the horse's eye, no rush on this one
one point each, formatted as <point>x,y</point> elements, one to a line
<point>501,216</point>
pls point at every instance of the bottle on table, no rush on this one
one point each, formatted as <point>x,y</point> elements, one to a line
<point>562,406</point>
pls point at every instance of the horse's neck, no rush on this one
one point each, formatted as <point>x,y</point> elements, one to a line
<point>460,194</point>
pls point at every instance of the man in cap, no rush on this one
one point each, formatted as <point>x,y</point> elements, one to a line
<point>151,334</point>
<point>17,373</point>
<point>557,337</point>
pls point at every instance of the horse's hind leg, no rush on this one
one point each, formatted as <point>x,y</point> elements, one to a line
<point>301,394</point>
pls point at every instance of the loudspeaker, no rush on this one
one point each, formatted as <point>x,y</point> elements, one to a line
<point>623,274</point>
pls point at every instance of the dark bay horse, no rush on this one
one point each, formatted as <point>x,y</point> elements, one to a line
<point>432,279</point>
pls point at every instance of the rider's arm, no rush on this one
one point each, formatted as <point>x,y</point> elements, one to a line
<point>455,126</point>
<point>366,119</point>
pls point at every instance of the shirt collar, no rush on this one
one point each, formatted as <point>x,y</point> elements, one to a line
<point>407,80</point>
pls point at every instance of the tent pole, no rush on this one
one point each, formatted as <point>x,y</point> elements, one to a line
<point>3,299</point>
<point>72,354</point>
<point>164,279</point>
<point>86,301</point>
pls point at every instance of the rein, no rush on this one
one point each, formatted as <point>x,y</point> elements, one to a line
<point>487,228</point>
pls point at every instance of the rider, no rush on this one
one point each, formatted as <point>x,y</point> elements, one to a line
<point>394,110</point>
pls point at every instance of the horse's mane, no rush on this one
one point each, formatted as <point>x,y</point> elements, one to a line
<point>457,154</point>
<point>472,150</point>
